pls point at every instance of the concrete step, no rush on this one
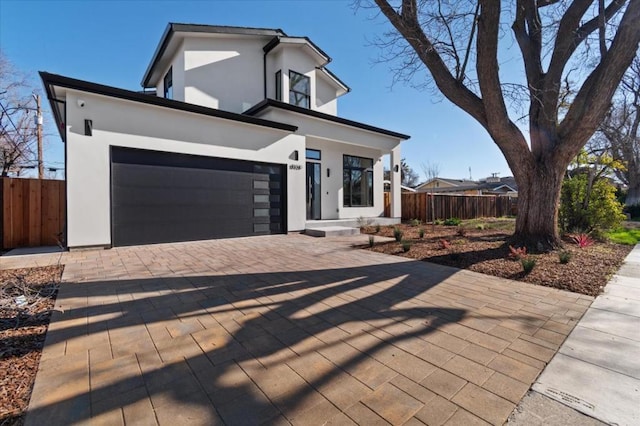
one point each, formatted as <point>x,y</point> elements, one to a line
<point>332,231</point>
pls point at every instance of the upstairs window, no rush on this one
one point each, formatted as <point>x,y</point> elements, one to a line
<point>357,187</point>
<point>279,85</point>
<point>168,84</point>
<point>299,90</point>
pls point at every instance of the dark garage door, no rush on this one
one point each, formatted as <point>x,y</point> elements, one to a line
<point>159,197</point>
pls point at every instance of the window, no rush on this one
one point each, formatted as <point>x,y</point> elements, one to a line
<point>299,90</point>
<point>357,181</point>
<point>279,85</point>
<point>313,154</point>
<point>168,84</point>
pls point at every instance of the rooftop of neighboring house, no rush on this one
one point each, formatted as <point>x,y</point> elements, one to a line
<point>492,184</point>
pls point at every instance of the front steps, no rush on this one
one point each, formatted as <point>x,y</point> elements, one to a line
<point>332,231</point>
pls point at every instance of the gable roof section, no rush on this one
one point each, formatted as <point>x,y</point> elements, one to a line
<point>173,28</point>
<point>54,80</point>
<point>270,103</point>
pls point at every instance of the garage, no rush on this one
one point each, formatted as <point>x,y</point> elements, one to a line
<point>159,197</point>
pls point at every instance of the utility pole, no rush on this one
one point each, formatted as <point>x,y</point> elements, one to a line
<point>39,130</point>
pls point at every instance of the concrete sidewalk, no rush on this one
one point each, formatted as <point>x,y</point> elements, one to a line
<point>597,369</point>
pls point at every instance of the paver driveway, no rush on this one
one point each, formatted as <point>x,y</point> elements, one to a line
<point>289,329</point>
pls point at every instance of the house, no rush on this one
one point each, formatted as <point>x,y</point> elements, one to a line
<point>235,132</point>
<point>493,185</point>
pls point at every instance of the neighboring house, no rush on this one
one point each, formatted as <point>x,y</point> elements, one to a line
<point>235,133</point>
<point>387,187</point>
<point>492,185</point>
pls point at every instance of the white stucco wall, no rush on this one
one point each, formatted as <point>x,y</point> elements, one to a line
<point>326,96</point>
<point>130,124</point>
<point>177,65</point>
<point>332,187</point>
<point>224,73</point>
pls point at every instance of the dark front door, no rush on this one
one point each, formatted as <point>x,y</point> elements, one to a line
<point>159,197</point>
<point>313,191</point>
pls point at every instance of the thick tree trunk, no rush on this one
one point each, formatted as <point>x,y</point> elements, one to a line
<point>538,200</point>
<point>633,194</point>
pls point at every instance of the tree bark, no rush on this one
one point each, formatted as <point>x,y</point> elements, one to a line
<point>538,195</point>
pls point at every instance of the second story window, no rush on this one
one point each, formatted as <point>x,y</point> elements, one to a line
<point>168,84</point>
<point>279,86</point>
<point>299,90</point>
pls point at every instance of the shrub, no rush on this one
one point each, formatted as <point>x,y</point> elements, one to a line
<point>480,227</point>
<point>452,221</point>
<point>517,253</point>
<point>421,233</point>
<point>406,245</point>
<point>444,244</point>
<point>462,231</point>
<point>603,211</point>
<point>371,240</point>
<point>416,222</point>
<point>528,263</point>
<point>582,240</point>
<point>564,256</point>
<point>438,222</point>
<point>397,234</point>
<point>377,228</point>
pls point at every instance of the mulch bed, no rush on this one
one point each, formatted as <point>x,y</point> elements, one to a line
<point>486,251</point>
<point>23,326</point>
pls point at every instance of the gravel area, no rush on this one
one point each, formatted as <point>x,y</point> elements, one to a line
<point>483,247</point>
<point>26,299</point>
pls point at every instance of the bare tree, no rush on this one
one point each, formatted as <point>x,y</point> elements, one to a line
<point>431,171</point>
<point>18,138</point>
<point>619,132</point>
<point>569,84</point>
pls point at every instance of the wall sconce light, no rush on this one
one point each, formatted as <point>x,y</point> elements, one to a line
<point>294,155</point>
<point>396,168</point>
<point>88,127</point>
<point>328,172</point>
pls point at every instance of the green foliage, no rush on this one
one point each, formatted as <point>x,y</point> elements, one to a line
<point>480,227</point>
<point>564,256</point>
<point>371,241</point>
<point>377,228</point>
<point>603,211</point>
<point>416,222</point>
<point>438,222</point>
<point>452,221</point>
<point>528,263</point>
<point>421,233</point>
<point>406,246</point>
<point>397,234</point>
<point>624,236</point>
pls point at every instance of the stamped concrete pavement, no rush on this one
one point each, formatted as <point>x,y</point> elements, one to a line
<point>288,330</point>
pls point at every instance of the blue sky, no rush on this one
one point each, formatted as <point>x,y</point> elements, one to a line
<point>111,42</point>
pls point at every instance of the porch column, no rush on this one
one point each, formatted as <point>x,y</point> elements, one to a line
<point>396,179</point>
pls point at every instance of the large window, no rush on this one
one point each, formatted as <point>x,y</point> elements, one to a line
<point>299,90</point>
<point>357,181</point>
<point>279,85</point>
<point>168,84</point>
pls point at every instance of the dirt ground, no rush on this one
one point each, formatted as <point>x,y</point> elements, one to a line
<point>481,246</point>
<point>26,299</point>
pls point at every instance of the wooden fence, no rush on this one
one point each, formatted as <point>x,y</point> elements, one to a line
<point>33,212</point>
<point>417,205</point>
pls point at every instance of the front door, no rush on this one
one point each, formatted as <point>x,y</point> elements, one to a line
<point>313,191</point>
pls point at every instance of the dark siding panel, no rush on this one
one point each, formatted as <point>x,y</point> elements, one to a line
<point>165,197</point>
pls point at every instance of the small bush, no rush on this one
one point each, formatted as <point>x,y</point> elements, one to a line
<point>480,227</point>
<point>564,256</point>
<point>582,240</point>
<point>377,228</point>
<point>438,222</point>
<point>397,234</point>
<point>371,241</point>
<point>452,221</point>
<point>462,231</point>
<point>444,244</point>
<point>517,253</point>
<point>528,263</point>
<point>406,246</point>
<point>416,222</point>
<point>421,233</point>
<point>603,211</point>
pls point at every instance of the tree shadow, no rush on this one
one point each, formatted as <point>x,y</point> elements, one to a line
<point>235,349</point>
